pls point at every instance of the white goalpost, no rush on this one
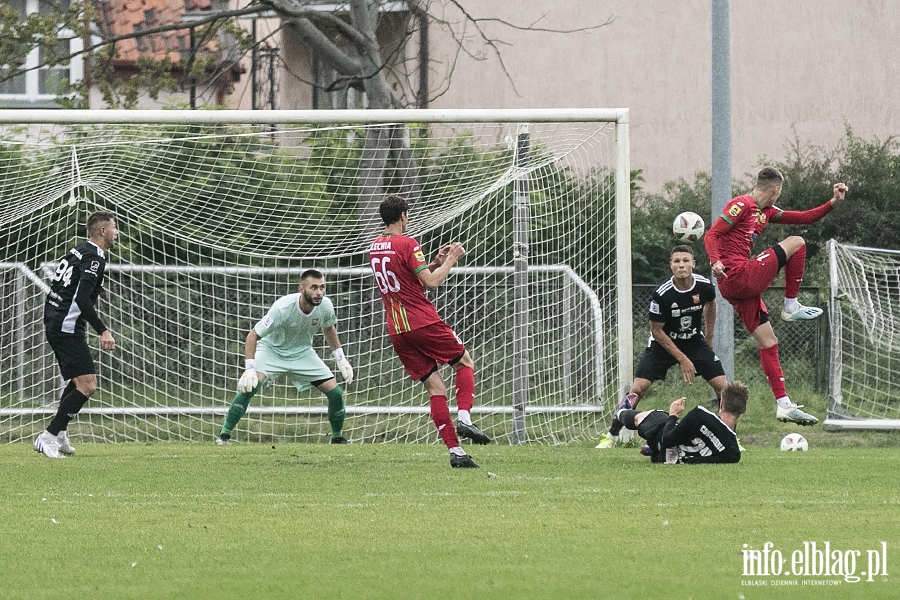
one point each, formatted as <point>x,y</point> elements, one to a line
<point>220,212</point>
<point>864,387</point>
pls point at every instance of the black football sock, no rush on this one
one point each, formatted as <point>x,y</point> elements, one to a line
<point>68,408</point>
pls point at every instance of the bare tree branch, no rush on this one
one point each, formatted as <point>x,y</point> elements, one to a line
<point>531,27</point>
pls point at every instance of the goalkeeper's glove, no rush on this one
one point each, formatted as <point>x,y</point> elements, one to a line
<point>249,380</point>
<point>343,365</point>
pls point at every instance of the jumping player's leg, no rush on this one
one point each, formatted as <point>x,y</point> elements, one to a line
<point>767,343</point>
<point>794,262</point>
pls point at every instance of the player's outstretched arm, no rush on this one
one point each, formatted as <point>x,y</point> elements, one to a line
<point>807,217</point>
<point>337,351</point>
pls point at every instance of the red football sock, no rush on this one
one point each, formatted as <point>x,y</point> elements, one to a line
<point>772,368</point>
<point>465,388</point>
<point>793,273</point>
<point>440,414</point>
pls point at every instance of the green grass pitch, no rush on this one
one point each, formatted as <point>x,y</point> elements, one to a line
<point>169,520</point>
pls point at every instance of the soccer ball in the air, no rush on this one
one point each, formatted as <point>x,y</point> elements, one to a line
<point>794,442</point>
<point>688,227</point>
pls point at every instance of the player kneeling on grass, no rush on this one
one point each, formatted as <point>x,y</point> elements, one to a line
<point>700,437</point>
<point>281,343</point>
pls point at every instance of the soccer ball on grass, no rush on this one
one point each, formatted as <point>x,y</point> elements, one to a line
<point>688,227</point>
<point>794,442</point>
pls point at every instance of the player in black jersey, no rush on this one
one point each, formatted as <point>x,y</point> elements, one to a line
<point>70,306</point>
<point>682,319</point>
<point>700,437</point>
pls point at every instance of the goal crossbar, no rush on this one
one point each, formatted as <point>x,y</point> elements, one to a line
<point>276,117</point>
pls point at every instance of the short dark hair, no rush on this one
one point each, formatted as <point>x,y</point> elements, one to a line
<point>682,248</point>
<point>769,177</point>
<point>97,220</point>
<point>391,208</point>
<point>311,273</point>
<point>734,398</point>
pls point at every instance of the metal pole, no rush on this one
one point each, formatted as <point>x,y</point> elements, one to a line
<point>723,339</point>
<point>191,70</point>
<point>520,352</point>
<point>566,334</point>
<point>625,322</point>
<point>254,66</point>
<point>20,330</point>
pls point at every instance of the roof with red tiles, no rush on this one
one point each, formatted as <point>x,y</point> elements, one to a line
<point>121,17</point>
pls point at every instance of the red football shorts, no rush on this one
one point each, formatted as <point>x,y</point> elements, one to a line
<point>744,286</point>
<point>422,349</point>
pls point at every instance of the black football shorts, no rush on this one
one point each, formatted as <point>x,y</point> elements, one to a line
<point>73,355</point>
<point>656,362</point>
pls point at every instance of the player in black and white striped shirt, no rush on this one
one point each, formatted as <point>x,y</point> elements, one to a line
<point>70,307</point>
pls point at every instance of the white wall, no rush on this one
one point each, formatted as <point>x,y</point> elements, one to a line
<point>804,67</point>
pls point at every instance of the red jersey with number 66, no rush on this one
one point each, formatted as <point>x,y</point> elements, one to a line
<point>395,260</point>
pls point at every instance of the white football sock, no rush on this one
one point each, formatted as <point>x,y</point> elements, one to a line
<point>791,305</point>
<point>784,402</point>
<point>463,416</point>
<point>457,450</point>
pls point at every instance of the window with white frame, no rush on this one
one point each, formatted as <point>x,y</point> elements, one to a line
<point>43,84</point>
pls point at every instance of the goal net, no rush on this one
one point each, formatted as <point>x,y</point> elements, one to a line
<point>220,212</point>
<point>865,337</point>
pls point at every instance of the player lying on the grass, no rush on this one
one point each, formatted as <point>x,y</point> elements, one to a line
<point>281,343</point>
<point>743,279</point>
<point>700,437</point>
<point>421,339</point>
<point>682,320</point>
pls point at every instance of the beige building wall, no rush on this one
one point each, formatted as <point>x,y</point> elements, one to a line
<point>802,68</point>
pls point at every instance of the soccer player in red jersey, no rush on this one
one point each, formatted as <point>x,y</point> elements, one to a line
<point>420,337</point>
<point>743,278</point>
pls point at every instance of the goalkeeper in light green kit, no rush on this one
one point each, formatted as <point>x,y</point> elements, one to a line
<point>281,343</point>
